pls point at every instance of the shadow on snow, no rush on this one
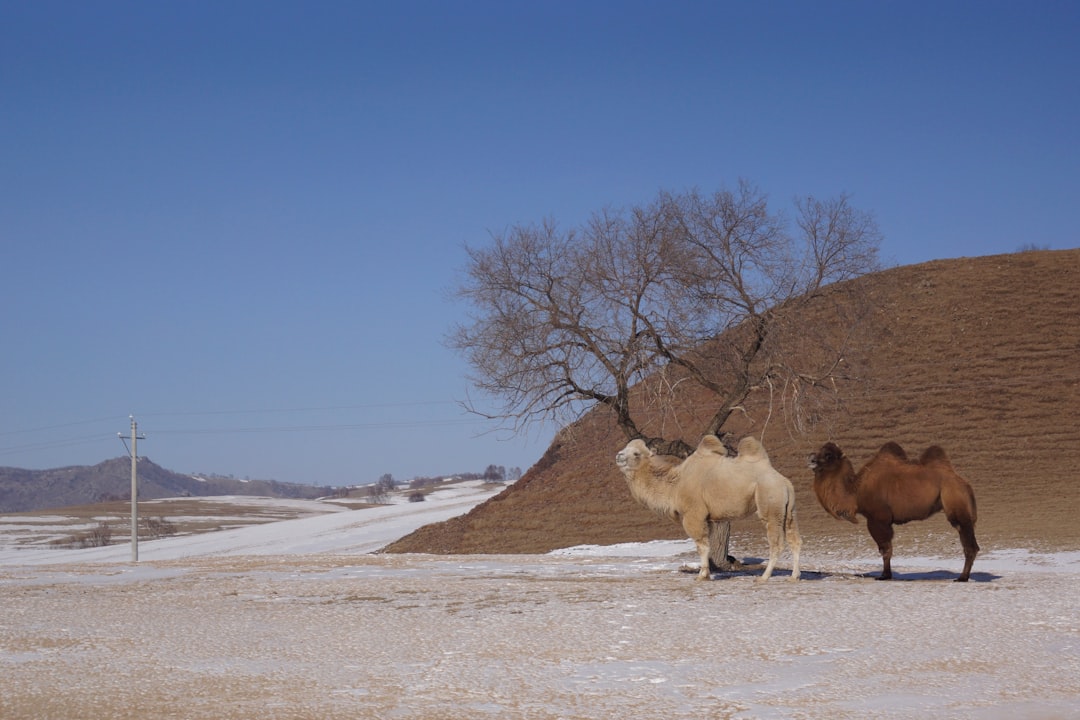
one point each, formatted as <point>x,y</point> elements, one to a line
<point>756,566</point>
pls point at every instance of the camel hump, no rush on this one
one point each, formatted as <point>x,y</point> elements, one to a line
<point>894,449</point>
<point>750,448</point>
<point>712,444</point>
<point>934,453</point>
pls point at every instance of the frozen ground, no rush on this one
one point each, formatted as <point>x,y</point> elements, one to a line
<point>297,619</point>
<point>327,527</point>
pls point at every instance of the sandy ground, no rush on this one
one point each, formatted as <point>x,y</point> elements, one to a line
<point>557,636</point>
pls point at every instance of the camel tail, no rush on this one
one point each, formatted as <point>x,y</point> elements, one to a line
<point>789,509</point>
<point>791,532</point>
<point>958,498</point>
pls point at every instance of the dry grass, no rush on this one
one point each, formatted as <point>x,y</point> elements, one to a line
<point>978,355</point>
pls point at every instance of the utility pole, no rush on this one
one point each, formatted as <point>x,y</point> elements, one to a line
<point>135,437</point>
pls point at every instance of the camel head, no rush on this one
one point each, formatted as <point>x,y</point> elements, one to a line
<point>835,482</point>
<point>631,457</point>
<point>826,459</point>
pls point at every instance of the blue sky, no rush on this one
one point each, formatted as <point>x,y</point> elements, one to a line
<point>240,221</point>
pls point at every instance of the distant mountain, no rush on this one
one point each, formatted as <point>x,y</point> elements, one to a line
<point>27,490</point>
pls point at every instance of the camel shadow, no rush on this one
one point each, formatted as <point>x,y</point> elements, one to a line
<point>756,566</point>
<point>935,575</point>
<point>747,567</point>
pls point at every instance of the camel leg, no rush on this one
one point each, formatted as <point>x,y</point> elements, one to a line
<point>794,541</point>
<point>971,547</point>
<point>958,501</point>
<point>775,534</point>
<point>961,515</point>
<point>703,554</point>
<point>883,535</point>
<point>698,530</point>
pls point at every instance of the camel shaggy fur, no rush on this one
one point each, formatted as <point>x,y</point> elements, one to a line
<point>892,490</point>
<point>711,487</point>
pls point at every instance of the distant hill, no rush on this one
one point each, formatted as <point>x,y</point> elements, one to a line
<point>27,490</point>
<point>979,355</point>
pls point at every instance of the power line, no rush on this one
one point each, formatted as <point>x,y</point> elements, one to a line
<point>332,408</point>
<point>404,424</point>
<point>310,428</point>
<point>219,413</point>
<point>57,427</point>
<point>49,445</point>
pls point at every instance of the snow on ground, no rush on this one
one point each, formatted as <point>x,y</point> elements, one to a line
<point>298,619</point>
<point>332,530</point>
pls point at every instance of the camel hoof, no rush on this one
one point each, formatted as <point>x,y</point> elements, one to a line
<point>960,579</point>
<point>883,577</point>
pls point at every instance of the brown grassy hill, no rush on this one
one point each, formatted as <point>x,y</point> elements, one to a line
<point>979,355</point>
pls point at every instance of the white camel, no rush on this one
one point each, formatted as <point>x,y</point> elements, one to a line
<point>711,486</point>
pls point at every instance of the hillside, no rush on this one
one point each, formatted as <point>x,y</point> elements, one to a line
<point>979,355</point>
<point>26,490</point>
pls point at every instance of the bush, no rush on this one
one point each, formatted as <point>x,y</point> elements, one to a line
<point>1032,247</point>
<point>158,527</point>
<point>99,536</point>
<point>416,497</point>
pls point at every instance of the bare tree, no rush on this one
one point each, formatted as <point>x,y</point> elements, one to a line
<point>630,306</point>
<point>494,473</point>
<point>564,320</point>
<point>379,492</point>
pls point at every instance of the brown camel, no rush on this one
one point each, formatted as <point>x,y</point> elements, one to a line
<point>892,490</point>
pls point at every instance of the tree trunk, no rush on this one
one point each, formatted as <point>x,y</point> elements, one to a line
<point>719,560</point>
<point>660,446</point>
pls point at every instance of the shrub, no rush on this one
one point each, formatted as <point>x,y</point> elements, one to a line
<point>158,527</point>
<point>99,536</point>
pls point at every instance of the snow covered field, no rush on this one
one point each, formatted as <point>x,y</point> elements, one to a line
<point>297,619</point>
